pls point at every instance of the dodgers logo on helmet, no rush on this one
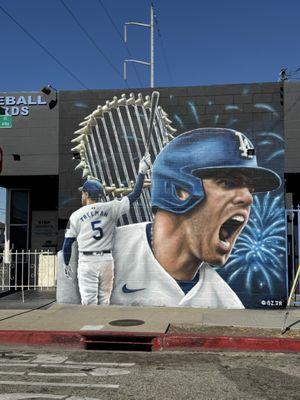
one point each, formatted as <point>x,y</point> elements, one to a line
<point>180,163</point>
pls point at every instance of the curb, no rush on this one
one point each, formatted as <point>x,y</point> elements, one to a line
<point>147,341</point>
<point>194,342</point>
<point>42,338</point>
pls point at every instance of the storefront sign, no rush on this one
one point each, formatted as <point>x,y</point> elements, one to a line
<point>20,105</point>
<point>5,121</point>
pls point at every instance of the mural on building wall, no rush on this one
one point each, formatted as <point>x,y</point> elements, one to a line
<point>216,193</point>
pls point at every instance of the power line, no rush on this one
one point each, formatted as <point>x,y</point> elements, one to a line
<point>294,72</point>
<point>43,47</point>
<point>122,39</point>
<point>92,40</point>
<point>285,75</point>
<point>162,44</point>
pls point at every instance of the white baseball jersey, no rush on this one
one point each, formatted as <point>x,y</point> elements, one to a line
<point>141,281</point>
<point>93,225</point>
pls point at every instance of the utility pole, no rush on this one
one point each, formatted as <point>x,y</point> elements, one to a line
<point>151,46</point>
<point>151,63</point>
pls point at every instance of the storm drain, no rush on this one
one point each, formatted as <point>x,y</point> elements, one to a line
<point>120,342</point>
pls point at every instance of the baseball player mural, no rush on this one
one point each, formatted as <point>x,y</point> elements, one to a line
<point>203,183</point>
<point>93,227</point>
<point>189,240</point>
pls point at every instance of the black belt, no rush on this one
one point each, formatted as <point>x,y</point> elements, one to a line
<point>95,253</point>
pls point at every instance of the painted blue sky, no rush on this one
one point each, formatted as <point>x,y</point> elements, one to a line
<point>198,43</point>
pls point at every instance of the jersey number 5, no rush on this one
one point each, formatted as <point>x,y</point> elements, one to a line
<point>96,227</point>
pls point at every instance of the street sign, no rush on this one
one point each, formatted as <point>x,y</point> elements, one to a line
<point>5,121</point>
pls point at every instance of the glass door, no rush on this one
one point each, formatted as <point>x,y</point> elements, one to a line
<point>19,219</point>
<point>18,233</point>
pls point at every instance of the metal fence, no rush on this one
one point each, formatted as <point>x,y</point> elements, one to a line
<point>28,270</point>
<point>293,250</point>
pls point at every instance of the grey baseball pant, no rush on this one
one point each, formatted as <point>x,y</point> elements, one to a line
<point>95,278</point>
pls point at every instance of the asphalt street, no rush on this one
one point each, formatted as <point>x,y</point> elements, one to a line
<point>46,374</point>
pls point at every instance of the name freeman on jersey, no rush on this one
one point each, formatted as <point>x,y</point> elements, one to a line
<point>95,213</point>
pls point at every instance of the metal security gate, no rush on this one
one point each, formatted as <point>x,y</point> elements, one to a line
<point>293,251</point>
<point>28,270</point>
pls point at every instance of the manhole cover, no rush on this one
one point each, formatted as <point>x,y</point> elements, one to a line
<point>126,322</point>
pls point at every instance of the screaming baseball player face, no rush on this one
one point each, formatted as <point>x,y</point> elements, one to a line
<point>213,226</point>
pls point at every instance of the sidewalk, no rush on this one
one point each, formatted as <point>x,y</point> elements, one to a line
<point>149,328</point>
<point>28,300</point>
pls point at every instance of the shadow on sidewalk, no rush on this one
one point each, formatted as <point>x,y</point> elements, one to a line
<point>32,299</point>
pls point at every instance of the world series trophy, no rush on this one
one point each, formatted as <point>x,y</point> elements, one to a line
<point>113,138</point>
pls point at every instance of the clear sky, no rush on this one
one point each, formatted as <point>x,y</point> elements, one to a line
<point>201,42</point>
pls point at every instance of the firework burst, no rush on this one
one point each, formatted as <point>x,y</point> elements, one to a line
<point>258,260</point>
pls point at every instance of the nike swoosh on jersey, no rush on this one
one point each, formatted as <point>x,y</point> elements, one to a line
<point>125,289</point>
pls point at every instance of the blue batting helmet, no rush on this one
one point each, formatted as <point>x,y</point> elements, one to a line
<point>180,164</point>
<point>93,187</point>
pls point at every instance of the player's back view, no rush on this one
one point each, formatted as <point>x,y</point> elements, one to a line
<point>93,227</point>
<point>93,224</point>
